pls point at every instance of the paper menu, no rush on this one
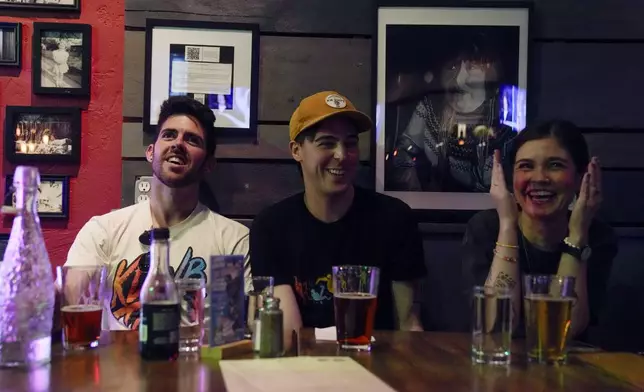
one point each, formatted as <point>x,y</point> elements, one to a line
<point>299,374</point>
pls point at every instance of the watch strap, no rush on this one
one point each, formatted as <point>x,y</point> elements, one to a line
<point>574,250</point>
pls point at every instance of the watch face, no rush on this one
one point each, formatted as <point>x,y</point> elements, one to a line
<point>585,253</point>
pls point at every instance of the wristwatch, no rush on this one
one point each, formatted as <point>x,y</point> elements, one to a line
<point>581,253</point>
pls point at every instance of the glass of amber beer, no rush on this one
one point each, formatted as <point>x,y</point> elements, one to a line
<point>81,306</point>
<point>355,293</point>
<point>548,303</point>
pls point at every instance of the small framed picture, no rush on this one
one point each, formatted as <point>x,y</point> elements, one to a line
<point>62,55</point>
<point>42,134</point>
<point>214,63</point>
<point>53,196</point>
<point>4,240</point>
<point>42,5</point>
<point>10,44</point>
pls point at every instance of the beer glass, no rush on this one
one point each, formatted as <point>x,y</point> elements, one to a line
<point>192,298</point>
<point>547,304</point>
<point>81,304</point>
<point>355,293</point>
<point>491,325</point>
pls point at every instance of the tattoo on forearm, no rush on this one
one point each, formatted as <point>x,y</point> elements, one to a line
<point>504,280</point>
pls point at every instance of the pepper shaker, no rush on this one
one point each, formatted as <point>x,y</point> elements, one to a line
<point>271,341</point>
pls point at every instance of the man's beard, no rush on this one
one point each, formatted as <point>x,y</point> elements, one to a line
<point>189,178</point>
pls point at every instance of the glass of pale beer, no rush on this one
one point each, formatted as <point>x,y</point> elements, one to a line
<point>355,297</point>
<point>81,307</point>
<point>548,303</point>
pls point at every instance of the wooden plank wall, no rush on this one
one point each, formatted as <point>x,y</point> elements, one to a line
<point>588,57</point>
<point>591,76</point>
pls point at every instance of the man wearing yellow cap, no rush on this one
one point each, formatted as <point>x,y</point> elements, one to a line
<point>299,239</point>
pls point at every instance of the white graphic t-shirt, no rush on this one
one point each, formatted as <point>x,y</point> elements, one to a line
<point>113,239</point>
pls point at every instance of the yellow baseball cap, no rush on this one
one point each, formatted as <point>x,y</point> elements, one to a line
<point>323,105</point>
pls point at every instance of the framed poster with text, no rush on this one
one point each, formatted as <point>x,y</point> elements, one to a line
<point>217,64</point>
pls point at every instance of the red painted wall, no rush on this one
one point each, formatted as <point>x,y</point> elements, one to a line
<point>95,186</point>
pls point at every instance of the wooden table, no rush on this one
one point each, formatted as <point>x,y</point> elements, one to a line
<point>408,361</point>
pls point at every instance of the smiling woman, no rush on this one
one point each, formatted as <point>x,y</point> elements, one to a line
<point>537,229</point>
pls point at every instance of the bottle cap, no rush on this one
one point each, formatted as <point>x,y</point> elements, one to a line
<point>161,233</point>
<point>271,303</point>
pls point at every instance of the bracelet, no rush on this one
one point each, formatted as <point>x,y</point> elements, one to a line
<point>507,246</point>
<point>509,259</point>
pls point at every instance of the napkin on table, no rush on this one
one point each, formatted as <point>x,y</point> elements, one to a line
<point>329,333</point>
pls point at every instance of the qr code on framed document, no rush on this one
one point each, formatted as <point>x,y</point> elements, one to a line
<point>193,53</point>
<point>200,98</point>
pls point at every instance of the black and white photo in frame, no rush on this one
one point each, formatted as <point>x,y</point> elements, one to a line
<point>44,5</point>
<point>451,88</point>
<point>53,196</point>
<point>214,63</point>
<point>10,44</point>
<point>62,58</point>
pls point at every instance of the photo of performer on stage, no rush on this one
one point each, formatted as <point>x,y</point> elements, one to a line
<point>443,105</point>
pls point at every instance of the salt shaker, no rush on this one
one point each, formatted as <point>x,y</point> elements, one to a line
<point>271,341</point>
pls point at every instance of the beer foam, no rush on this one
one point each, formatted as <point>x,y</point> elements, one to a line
<point>355,296</point>
<point>546,297</point>
<point>81,308</point>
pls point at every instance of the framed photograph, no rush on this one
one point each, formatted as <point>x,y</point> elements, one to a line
<point>10,44</point>
<point>4,240</point>
<point>451,87</point>
<point>214,63</point>
<point>42,5</point>
<point>62,54</point>
<point>53,196</point>
<point>42,134</point>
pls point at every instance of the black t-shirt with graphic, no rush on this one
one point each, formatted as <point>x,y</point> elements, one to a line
<point>294,247</point>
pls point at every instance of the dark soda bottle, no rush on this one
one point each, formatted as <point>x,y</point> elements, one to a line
<point>160,317</point>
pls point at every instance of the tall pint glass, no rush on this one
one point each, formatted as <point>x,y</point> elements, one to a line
<point>355,297</point>
<point>548,303</point>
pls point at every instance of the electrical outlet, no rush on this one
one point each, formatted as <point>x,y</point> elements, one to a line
<point>142,189</point>
<point>144,186</point>
<point>142,198</point>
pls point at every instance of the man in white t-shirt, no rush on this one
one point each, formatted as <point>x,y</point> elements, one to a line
<point>181,155</point>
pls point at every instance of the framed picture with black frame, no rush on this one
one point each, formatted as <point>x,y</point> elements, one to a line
<point>53,196</point>
<point>4,240</point>
<point>62,58</point>
<point>451,85</point>
<point>42,134</point>
<point>10,44</point>
<point>215,63</point>
<point>42,5</point>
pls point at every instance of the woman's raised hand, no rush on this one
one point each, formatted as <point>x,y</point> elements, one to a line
<point>505,203</point>
<point>587,204</point>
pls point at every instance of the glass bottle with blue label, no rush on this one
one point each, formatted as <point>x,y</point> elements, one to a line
<point>160,317</point>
